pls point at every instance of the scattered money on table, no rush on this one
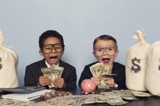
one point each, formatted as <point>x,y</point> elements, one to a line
<point>141,94</point>
<point>53,93</point>
<point>61,98</point>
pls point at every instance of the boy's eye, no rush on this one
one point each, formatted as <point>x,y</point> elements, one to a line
<point>110,49</point>
<point>58,47</point>
<point>48,47</point>
<point>100,49</point>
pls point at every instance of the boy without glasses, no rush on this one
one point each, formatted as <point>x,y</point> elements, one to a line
<point>51,46</point>
<point>105,50</point>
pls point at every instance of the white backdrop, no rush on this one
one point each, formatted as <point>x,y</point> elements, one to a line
<point>80,22</point>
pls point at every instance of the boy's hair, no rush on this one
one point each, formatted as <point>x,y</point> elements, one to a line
<point>50,33</point>
<point>105,37</point>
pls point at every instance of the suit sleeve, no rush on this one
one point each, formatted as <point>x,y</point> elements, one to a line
<point>86,74</point>
<point>70,78</point>
<point>120,79</point>
<point>30,78</point>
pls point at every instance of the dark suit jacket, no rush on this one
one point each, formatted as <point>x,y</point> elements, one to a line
<point>118,69</point>
<point>33,72</point>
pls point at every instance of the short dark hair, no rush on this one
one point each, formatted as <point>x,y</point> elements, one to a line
<point>105,37</point>
<point>50,33</point>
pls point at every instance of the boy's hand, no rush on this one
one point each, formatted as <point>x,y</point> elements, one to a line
<point>43,81</point>
<point>109,81</point>
<point>96,80</point>
<point>59,82</point>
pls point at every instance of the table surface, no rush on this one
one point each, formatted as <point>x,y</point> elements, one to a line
<point>146,101</point>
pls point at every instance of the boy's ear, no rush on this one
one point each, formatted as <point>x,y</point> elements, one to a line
<point>40,52</point>
<point>94,53</point>
<point>117,52</point>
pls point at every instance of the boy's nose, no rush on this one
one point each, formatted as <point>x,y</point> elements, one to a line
<point>53,50</point>
<point>105,51</point>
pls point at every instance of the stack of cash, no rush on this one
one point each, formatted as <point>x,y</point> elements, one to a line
<point>52,73</point>
<point>99,70</point>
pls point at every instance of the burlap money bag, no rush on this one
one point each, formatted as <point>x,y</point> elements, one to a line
<point>8,66</point>
<point>136,63</point>
<point>153,69</point>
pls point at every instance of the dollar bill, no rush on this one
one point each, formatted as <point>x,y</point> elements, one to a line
<point>96,69</point>
<point>141,94</point>
<point>52,73</point>
<point>106,70</point>
<point>114,99</point>
<point>89,100</point>
<point>103,85</point>
<point>99,70</point>
<point>126,94</point>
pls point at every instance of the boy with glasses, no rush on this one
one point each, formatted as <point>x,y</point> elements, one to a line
<point>105,50</point>
<point>51,46</point>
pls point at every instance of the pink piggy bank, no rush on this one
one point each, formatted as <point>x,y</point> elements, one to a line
<point>88,86</point>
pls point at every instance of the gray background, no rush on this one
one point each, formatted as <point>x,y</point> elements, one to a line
<point>80,22</point>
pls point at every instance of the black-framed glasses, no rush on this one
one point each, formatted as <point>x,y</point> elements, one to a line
<point>109,50</point>
<point>57,47</point>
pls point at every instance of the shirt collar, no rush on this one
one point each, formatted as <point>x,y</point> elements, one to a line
<point>50,65</point>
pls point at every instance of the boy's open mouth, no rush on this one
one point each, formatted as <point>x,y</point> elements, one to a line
<point>53,59</point>
<point>106,60</point>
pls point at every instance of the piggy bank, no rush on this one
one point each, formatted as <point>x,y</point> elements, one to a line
<point>88,86</point>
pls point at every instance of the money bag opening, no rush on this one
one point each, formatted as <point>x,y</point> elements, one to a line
<point>88,86</point>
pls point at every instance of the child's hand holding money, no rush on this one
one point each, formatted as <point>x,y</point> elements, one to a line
<point>59,82</point>
<point>96,80</point>
<point>109,81</point>
<point>43,81</point>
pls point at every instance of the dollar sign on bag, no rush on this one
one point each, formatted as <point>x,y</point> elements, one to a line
<point>135,66</point>
<point>0,63</point>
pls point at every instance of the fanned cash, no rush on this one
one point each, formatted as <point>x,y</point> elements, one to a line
<point>96,69</point>
<point>52,73</point>
<point>99,70</point>
<point>106,70</point>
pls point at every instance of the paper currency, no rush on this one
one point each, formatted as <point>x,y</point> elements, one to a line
<point>113,99</point>
<point>103,85</point>
<point>89,100</point>
<point>96,69</point>
<point>106,70</point>
<point>126,94</point>
<point>99,70</point>
<point>52,73</point>
<point>10,102</point>
<point>141,94</point>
